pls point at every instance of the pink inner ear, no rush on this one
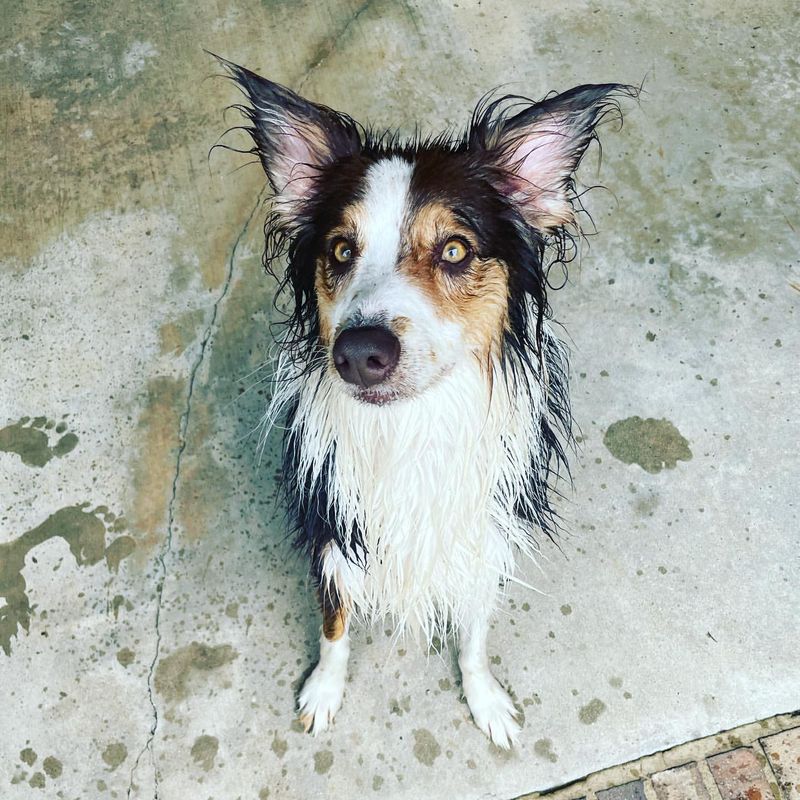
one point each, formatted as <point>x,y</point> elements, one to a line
<point>541,160</point>
<point>301,150</point>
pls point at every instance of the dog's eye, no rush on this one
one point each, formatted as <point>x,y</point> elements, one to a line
<point>342,251</point>
<point>455,251</point>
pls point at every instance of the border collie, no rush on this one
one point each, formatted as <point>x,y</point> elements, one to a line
<point>423,392</point>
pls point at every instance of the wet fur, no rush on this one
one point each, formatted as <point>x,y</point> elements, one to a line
<point>418,508</point>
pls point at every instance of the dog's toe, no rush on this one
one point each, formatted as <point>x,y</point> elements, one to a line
<point>320,699</point>
<point>492,709</point>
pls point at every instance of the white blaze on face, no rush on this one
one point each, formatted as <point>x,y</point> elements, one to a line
<point>386,201</point>
<point>380,225</point>
<point>377,292</point>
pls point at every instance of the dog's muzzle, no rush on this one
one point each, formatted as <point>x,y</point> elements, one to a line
<point>366,356</point>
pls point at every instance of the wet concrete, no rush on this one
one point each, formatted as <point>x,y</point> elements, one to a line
<point>154,625</point>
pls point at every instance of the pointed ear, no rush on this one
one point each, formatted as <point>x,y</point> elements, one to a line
<point>538,149</point>
<point>293,137</point>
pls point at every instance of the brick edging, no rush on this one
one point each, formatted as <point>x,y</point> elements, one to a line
<point>757,761</point>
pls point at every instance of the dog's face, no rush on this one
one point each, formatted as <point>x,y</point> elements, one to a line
<point>409,280</point>
<point>407,260</point>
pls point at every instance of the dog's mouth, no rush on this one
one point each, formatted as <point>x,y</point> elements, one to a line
<point>376,396</point>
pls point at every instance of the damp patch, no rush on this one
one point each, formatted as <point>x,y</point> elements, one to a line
<point>36,441</point>
<point>85,533</point>
<point>653,444</point>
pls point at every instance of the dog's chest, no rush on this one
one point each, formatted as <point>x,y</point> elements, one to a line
<point>431,487</point>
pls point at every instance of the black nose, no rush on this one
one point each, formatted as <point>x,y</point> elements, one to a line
<point>366,356</point>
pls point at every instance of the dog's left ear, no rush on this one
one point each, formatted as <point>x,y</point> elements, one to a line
<point>539,148</point>
<point>294,138</point>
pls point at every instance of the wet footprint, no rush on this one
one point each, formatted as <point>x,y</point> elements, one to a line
<point>83,530</point>
<point>31,440</point>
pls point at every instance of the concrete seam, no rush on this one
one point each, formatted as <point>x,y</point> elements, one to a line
<point>708,779</point>
<point>166,549</point>
<point>648,788</point>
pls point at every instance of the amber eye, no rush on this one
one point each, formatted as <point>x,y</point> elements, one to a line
<point>455,251</point>
<point>342,251</point>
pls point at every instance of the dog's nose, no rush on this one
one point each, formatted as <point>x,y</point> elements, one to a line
<point>366,356</point>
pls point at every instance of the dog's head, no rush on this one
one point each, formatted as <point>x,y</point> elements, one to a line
<point>407,258</point>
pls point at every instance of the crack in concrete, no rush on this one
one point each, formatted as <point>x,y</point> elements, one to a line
<point>166,549</point>
<point>329,43</point>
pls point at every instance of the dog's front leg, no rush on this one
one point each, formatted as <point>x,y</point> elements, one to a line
<point>491,707</point>
<point>322,693</point>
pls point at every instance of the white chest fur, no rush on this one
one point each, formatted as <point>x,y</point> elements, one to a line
<point>433,485</point>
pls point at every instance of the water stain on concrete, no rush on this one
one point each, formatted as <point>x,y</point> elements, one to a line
<point>401,706</point>
<point>645,506</point>
<point>52,767</point>
<point>154,468</point>
<point>544,748</point>
<point>78,63</point>
<point>204,751</point>
<point>590,713</point>
<point>118,550</point>
<point>426,748</point>
<point>37,781</point>
<point>323,761</point>
<point>651,443</point>
<point>175,336</point>
<point>279,746</point>
<point>205,485</point>
<point>28,756</point>
<point>31,439</point>
<point>114,754</point>
<point>119,602</point>
<point>85,533</point>
<point>232,610</point>
<point>173,672</point>
<point>125,656</point>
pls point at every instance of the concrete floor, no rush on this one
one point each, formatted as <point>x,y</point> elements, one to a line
<point>153,628</point>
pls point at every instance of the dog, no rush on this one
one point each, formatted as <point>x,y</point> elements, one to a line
<point>423,392</point>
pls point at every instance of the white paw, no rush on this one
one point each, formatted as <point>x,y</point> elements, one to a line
<point>491,707</point>
<point>320,698</point>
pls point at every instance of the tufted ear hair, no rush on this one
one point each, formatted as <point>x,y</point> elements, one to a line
<point>538,149</point>
<point>293,137</point>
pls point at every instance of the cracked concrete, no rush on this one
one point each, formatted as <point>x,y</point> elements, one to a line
<point>167,546</point>
<point>154,625</point>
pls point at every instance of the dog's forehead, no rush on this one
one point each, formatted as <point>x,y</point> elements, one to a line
<point>384,208</point>
<point>398,197</point>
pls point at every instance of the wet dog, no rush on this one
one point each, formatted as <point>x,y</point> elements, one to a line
<point>423,392</point>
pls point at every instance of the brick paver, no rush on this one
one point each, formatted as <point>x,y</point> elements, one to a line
<point>783,752</point>
<point>634,790</point>
<point>739,776</point>
<point>680,783</point>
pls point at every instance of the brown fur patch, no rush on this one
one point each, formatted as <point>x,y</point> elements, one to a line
<point>476,297</point>
<point>334,617</point>
<point>400,325</point>
<point>325,300</point>
<point>325,283</point>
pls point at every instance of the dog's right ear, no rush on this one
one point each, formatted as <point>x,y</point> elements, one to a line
<point>294,138</point>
